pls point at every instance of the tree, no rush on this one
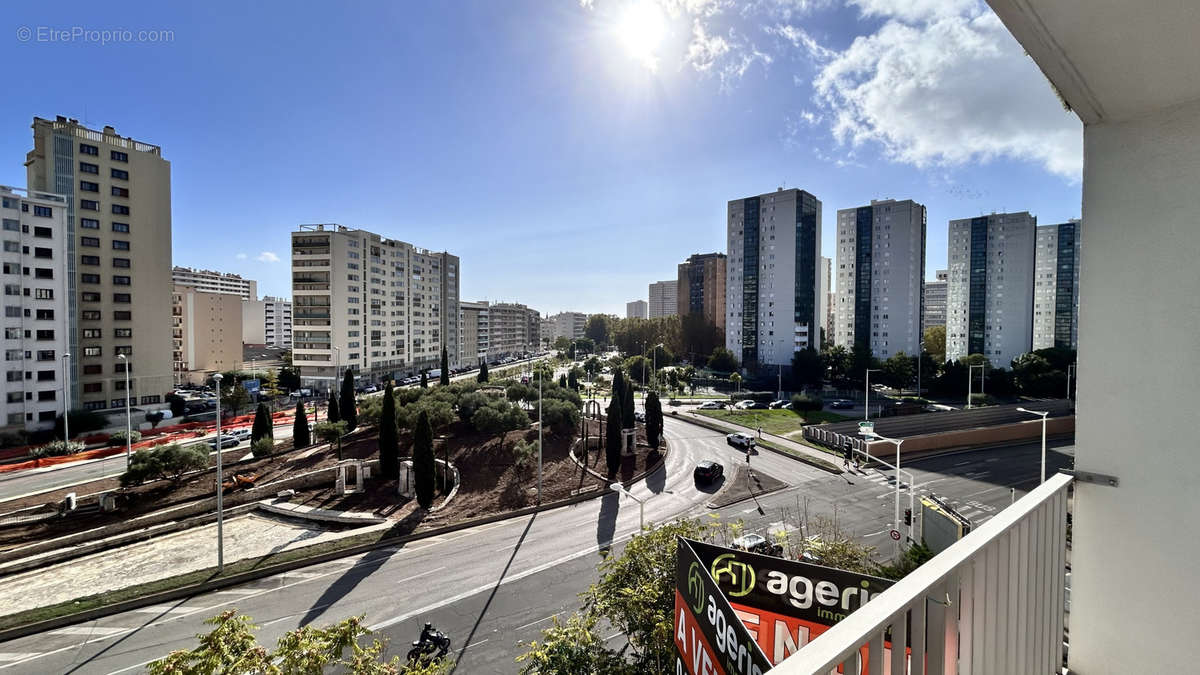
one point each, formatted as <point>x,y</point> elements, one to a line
<point>723,360</point>
<point>571,647</point>
<point>329,432</point>
<point>424,379</point>
<point>592,365</point>
<point>736,380</point>
<point>178,405</point>
<point>612,440</point>
<point>562,380</point>
<point>808,370</point>
<point>803,403</point>
<point>597,329</point>
<point>935,342</point>
<point>232,647</point>
<point>627,416</point>
<point>288,379</point>
<point>164,461</point>
<point>301,437</point>
<point>423,464</point>
<point>560,416</point>
<point>154,418</point>
<point>237,397</point>
<point>654,420</point>
<point>573,379</point>
<point>860,361</point>
<point>561,343</point>
<point>698,336</point>
<point>347,406</point>
<point>899,370</point>
<point>483,373</point>
<point>444,380</point>
<point>263,428</point>
<point>389,442</point>
<point>836,361</point>
<point>263,447</point>
<point>334,414</point>
<point>637,367</point>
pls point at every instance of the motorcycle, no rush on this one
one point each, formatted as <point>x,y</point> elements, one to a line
<point>433,645</point>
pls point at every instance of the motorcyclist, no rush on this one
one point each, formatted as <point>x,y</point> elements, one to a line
<point>431,640</point>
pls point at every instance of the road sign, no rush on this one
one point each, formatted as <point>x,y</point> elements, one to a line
<point>896,535</point>
<point>866,428</point>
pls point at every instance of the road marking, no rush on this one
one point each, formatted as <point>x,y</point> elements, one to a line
<point>88,630</point>
<point>309,575</point>
<point>964,463</point>
<point>237,591</point>
<point>169,609</point>
<point>418,576</point>
<point>475,644</point>
<point>875,534</point>
<point>752,509</point>
<point>534,623</point>
<point>17,656</point>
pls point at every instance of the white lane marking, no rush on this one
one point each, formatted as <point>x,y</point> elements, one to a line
<point>308,575</point>
<point>534,623</point>
<point>169,609</point>
<point>237,591</point>
<point>475,644</point>
<point>613,636</point>
<point>963,463</point>
<point>418,576</point>
<point>88,630</point>
<point>752,509</point>
<point>874,534</point>
<point>17,656</point>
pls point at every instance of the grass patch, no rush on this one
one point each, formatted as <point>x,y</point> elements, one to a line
<point>779,422</point>
<point>820,464</point>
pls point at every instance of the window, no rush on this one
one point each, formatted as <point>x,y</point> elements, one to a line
<point>119,367</point>
<point>89,223</point>
<point>12,225</point>
<point>43,232</point>
<point>45,355</point>
<point>88,186</point>
<point>85,149</point>
<point>43,273</point>
<point>12,311</point>
<point>43,211</point>
<point>123,298</point>
<point>12,246</point>
<point>89,260</point>
<point>15,375</point>
<point>120,245</point>
<point>120,191</point>
<point>90,297</point>
<point>90,242</point>
<point>15,397</point>
<point>120,173</point>
<point>120,227</point>
<point>121,262</point>
<point>47,416</point>
<point>152,398</point>
<point>118,156</point>
<point>84,167</point>
<point>90,315</point>
<point>89,278</point>
<point>39,252</point>
<point>12,289</point>
<point>123,332</point>
<point>12,333</point>
<point>119,280</point>
<point>120,209</point>
<point>91,351</point>
<point>45,375</point>
<point>93,369</point>
<point>93,405</point>
<point>45,315</point>
<point>89,205</point>
<point>122,316</point>
<point>91,333</point>
<point>43,293</point>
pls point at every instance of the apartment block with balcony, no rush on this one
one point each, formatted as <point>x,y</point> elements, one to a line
<point>663,299</point>
<point>773,277</point>
<point>34,260</point>
<point>700,287</point>
<point>206,333</point>
<point>473,332</point>
<point>513,329</point>
<point>935,300</point>
<point>880,277</point>
<point>208,281</point>
<point>1056,286</point>
<point>118,267</point>
<point>267,322</point>
<point>381,306</point>
<point>568,324</point>
<point>636,309</point>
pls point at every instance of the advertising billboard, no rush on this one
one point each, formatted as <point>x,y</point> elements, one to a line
<point>785,604</point>
<point>252,386</point>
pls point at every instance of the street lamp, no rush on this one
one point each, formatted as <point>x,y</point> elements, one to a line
<point>971,377</point>
<point>867,393</point>
<point>1070,367</point>
<point>220,487</point>
<point>620,489</point>
<point>1044,415</point>
<point>66,397</point>
<point>539,485</point>
<point>654,370</point>
<point>128,423</point>
<point>897,441</point>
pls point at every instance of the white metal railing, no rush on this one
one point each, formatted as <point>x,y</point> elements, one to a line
<point>991,603</point>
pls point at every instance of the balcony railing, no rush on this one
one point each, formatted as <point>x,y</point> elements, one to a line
<point>991,603</point>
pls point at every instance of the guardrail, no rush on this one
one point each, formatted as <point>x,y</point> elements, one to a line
<point>991,603</point>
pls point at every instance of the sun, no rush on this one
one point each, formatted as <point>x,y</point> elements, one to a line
<point>641,28</point>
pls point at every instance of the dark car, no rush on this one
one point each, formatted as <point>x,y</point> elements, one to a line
<point>226,442</point>
<point>841,404</point>
<point>708,471</point>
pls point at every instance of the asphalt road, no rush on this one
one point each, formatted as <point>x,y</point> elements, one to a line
<point>495,585</point>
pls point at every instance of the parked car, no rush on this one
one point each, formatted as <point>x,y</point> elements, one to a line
<point>640,416</point>
<point>370,389</point>
<point>739,440</point>
<point>841,404</point>
<point>226,442</point>
<point>750,405</point>
<point>756,543</point>
<point>711,405</point>
<point>776,405</point>
<point>708,471</point>
<point>240,434</point>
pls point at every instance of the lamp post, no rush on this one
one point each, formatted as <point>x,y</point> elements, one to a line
<point>1043,415</point>
<point>66,397</point>
<point>971,377</point>
<point>653,369</point>
<point>897,441</point>
<point>128,423</point>
<point>620,489</point>
<point>539,484</point>
<point>337,366</point>
<point>867,393</point>
<point>220,489</point>
<point>1070,367</point>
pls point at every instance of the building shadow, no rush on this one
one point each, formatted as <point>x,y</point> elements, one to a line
<point>656,480</point>
<point>606,525</point>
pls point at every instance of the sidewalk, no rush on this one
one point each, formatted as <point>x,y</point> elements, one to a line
<point>792,446</point>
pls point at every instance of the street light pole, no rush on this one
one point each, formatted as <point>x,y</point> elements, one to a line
<point>1070,367</point>
<point>128,423</point>
<point>620,489</point>
<point>897,500</point>
<point>1043,415</point>
<point>539,485</point>
<point>220,487</point>
<point>66,397</point>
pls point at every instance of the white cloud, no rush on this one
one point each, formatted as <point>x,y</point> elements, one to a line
<point>785,10</point>
<point>943,82</point>
<point>241,256</point>
<point>800,38</point>
<point>267,257</point>
<point>704,50</point>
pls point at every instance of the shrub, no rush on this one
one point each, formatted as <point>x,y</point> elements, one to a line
<point>560,416</point>
<point>56,449</point>
<point>803,403</point>
<point>523,453</point>
<point>118,438</point>
<point>164,461</point>
<point>263,447</point>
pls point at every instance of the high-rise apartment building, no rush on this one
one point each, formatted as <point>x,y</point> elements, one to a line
<point>989,287</point>
<point>118,266</point>
<point>773,277</point>
<point>380,306</point>
<point>267,322</point>
<point>935,300</point>
<point>512,329</point>
<point>568,324</point>
<point>34,259</point>
<point>700,287</point>
<point>826,311</point>
<point>881,272</point>
<point>663,298</point>
<point>1056,286</point>
<point>473,332</point>
<point>206,333</point>
<point>208,281</point>
<point>636,309</point>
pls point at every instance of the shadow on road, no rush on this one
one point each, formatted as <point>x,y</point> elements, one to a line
<point>657,480</point>
<point>483,612</point>
<point>342,586</point>
<point>610,504</point>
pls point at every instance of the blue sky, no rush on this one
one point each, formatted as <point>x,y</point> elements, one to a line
<point>569,152</point>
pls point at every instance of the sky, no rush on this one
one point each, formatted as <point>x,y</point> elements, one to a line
<point>570,152</point>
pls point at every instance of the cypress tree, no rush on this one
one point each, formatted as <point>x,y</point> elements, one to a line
<point>347,406</point>
<point>572,380</point>
<point>424,379</point>
<point>612,442</point>
<point>562,381</point>
<point>389,444</point>
<point>654,420</point>
<point>445,378</point>
<point>301,435</point>
<point>262,427</point>
<point>627,418</point>
<point>483,374</point>
<point>335,415</point>
<point>423,464</point>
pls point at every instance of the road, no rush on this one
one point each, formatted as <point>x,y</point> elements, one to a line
<point>494,585</point>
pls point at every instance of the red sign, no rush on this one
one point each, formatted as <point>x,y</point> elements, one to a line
<point>691,646</point>
<point>781,636</point>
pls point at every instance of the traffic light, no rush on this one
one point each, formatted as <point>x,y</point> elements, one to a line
<point>908,516</point>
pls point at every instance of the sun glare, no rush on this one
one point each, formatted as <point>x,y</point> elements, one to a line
<point>641,28</point>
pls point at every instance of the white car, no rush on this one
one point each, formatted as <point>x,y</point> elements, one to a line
<point>738,440</point>
<point>744,405</point>
<point>240,434</point>
<point>711,405</point>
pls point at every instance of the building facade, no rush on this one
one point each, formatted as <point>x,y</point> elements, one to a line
<point>637,309</point>
<point>380,306</point>
<point>664,299</point>
<point>512,329</point>
<point>118,264</point>
<point>989,287</point>
<point>473,332</point>
<point>208,281</point>
<point>773,277</point>
<point>570,325</point>
<point>881,273</point>
<point>827,299</point>
<point>206,333</point>
<point>1056,286</point>
<point>36,340</point>
<point>700,287</point>
<point>935,300</point>
<point>267,322</point>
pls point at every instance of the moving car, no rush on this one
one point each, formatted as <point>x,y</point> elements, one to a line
<point>226,442</point>
<point>708,471</point>
<point>239,434</point>
<point>841,404</point>
<point>750,405</point>
<point>640,416</point>
<point>775,405</point>
<point>370,389</point>
<point>739,440</point>
<point>711,405</point>
<point>756,543</point>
